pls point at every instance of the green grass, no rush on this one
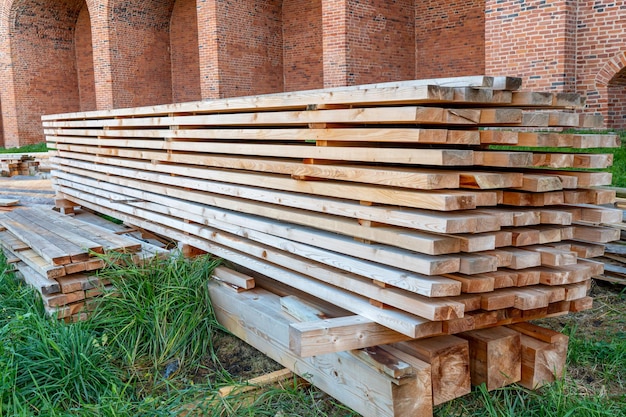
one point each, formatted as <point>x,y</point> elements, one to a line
<point>37,147</point>
<point>159,313</point>
<point>113,365</point>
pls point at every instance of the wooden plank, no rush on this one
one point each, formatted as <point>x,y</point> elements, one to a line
<point>432,200</point>
<point>430,221</point>
<point>64,233</point>
<point>253,384</point>
<point>566,274</point>
<point>497,300</point>
<point>343,134</point>
<point>9,202</point>
<point>375,115</point>
<point>42,284</point>
<point>584,178</point>
<point>337,335</point>
<point>581,304</point>
<point>540,183</point>
<point>489,180</point>
<point>503,159</point>
<point>233,277</point>
<point>397,320</point>
<point>596,234</point>
<point>476,264</point>
<point>385,362</point>
<point>523,259</point>
<point>412,282</point>
<point>257,320</point>
<point>543,354</point>
<point>448,357</point>
<point>59,299</point>
<point>473,283</point>
<point>525,199</point>
<point>37,238</point>
<point>353,152</point>
<point>413,91</point>
<point>589,250</point>
<point>495,356</point>
<point>77,282</point>
<point>554,257</point>
<point>36,262</point>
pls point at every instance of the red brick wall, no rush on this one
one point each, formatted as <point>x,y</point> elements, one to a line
<point>184,52</point>
<point>449,38</point>
<point>251,61</point>
<point>211,38</point>
<point>381,41</point>
<point>140,58</point>
<point>531,39</point>
<point>367,41</point>
<point>43,65</point>
<point>616,112</point>
<point>84,61</point>
<point>601,55</point>
<point>335,43</point>
<point>302,44</point>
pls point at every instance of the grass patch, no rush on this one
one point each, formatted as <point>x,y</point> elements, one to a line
<point>159,312</point>
<point>37,147</point>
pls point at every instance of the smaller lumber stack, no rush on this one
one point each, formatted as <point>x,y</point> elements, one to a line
<point>57,255</point>
<point>18,164</point>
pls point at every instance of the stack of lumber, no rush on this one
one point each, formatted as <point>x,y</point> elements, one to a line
<point>387,199</point>
<point>58,256</point>
<point>18,164</point>
<point>612,255</point>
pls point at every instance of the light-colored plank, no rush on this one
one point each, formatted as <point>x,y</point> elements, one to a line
<point>448,357</point>
<point>338,334</point>
<point>432,200</point>
<point>463,222</point>
<point>495,356</point>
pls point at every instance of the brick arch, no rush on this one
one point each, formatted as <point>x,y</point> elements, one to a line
<point>612,67</point>
<point>610,82</point>
<point>38,41</point>
<point>139,42</point>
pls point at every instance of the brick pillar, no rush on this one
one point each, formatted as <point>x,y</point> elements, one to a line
<point>101,44</point>
<point>139,43</point>
<point>335,41</point>
<point>449,38</point>
<point>210,38</point>
<point>10,137</point>
<point>368,41</point>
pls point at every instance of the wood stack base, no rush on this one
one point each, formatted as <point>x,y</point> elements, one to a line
<point>388,199</point>
<point>58,256</point>
<point>404,378</point>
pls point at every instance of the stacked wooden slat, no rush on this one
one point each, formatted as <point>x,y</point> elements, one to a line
<point>386,199</point>
<point>18,164</point>
<point>57,255</point>
<point>612,255</point>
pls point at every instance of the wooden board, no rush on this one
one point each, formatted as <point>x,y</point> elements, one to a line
<point>495,356</point>
<point>254,316</point>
